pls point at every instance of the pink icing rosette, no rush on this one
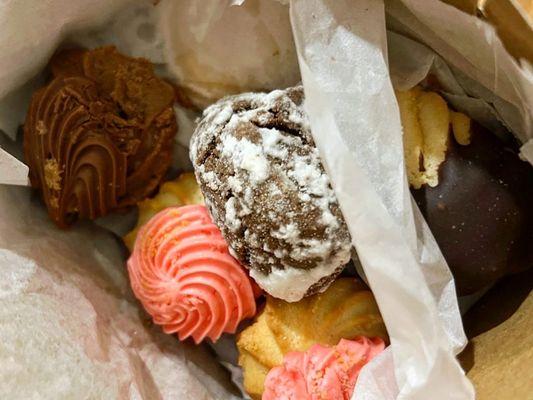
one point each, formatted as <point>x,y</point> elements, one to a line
<point>185,278</point>
<point>321,373</point>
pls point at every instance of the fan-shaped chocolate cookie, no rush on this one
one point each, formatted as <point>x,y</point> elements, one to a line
<point>265,186</point>
<point>99,136</point>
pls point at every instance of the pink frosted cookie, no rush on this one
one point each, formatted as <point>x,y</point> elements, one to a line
<point>321,372</point>
<point>184,276</point>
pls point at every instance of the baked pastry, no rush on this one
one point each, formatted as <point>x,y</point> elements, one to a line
<point>99,136</point>
<point>180,192</point>
<point>472,188</point>
<point>211,61</point>
<point>322,372</point>
<point>182,273</point>
<point>346,310</point>
<point>264,184</point>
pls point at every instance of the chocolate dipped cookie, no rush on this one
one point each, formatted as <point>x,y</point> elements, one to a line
<point>264,184</point>
<point>472,188</point>
<point>98,137</point>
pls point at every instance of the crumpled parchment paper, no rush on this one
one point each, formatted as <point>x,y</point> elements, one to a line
<point>70,326</point>
<point>342,49</point>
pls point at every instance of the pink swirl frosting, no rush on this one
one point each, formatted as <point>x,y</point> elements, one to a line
<point>321,372</point>
<point>185,278</point>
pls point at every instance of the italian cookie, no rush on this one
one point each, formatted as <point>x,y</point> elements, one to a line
<point>98,137</point>
<point>322,372</point>
<point>179,192</point>
<point>182,273</point>
<point>264,184</point>
<point>346,310</point>
<point>472,188</point>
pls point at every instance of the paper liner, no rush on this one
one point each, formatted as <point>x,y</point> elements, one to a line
<point>356,125</point>
<point>70,325</point>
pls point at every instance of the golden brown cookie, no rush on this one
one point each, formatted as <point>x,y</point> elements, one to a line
<point>182,191</point>
<point>347,309</point>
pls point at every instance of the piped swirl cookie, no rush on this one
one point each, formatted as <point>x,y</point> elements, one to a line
<point>181,271</point>
<point>346,310</point>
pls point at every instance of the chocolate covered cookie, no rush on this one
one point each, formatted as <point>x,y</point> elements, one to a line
<point>99,136</point>
<point>264,184</point>
<point>473,190</point>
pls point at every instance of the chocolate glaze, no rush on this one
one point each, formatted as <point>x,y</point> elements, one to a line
<point>95,145</point>
<point>481,212</point>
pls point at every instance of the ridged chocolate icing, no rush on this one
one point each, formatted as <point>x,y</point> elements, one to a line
<point>98,137</point>
<point>70,150</point>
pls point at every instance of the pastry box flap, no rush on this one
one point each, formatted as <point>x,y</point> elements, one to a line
<point>512,19</point>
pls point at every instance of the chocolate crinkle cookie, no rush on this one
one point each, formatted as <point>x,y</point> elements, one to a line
<point>266,189</point>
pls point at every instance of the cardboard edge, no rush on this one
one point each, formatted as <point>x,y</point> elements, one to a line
<point>513,20</point>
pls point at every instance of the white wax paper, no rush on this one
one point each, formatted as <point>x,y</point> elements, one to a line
<point>69,324</point>
<point>356,125</point>
<point>342,50</point>
<point>18,172</point>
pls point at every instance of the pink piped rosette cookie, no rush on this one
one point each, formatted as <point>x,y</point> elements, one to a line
<point>321,372</point>
<point>185,278</point>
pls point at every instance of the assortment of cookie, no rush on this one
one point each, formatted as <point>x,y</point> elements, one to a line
<point>254,243</point>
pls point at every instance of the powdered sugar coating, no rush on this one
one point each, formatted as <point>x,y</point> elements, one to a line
<point>265,187</point>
